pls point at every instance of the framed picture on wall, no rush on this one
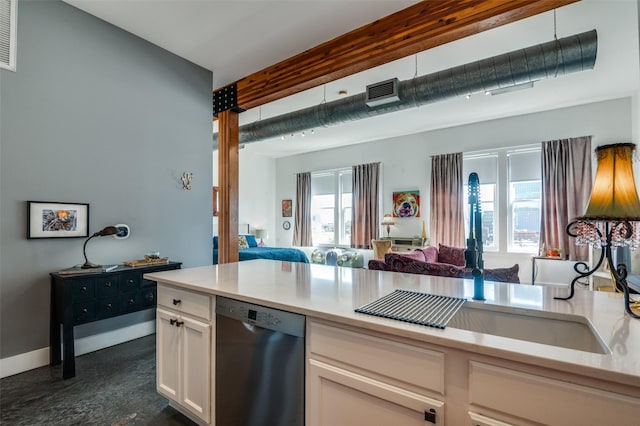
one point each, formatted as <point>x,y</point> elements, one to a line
<point>215,201</point>
<point>57,220</point>
<point>406,203</point>
<point>287,208</point>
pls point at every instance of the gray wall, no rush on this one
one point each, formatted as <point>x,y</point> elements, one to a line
<point>96,115</point>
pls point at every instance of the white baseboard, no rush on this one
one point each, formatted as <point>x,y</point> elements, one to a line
<point>40,357</point>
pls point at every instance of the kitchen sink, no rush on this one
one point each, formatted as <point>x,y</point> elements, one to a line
<point>567,331</point>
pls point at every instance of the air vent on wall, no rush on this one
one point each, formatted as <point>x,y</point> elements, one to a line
<point>8,22</point>
<point>382,93</point>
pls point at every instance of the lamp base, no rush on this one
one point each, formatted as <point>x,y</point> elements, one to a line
<point>89,265</point>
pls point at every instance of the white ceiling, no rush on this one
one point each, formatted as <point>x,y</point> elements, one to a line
<point>236,38</point>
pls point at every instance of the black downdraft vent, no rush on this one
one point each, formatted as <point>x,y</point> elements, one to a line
<point>383,93</point>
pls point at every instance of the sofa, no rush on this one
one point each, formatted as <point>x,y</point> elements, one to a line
<point>444,261</point>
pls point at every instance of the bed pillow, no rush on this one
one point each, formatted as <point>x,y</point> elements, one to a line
<point>242,242</point>
<point>451,255</point>
<point>215,242</point>
<point>251,240</point>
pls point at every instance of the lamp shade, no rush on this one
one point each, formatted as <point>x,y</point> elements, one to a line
<point>614,194</point>
<point>387,220</point>
<point>261,233</point>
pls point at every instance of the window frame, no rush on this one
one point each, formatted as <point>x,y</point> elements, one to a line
<point>339,206</point>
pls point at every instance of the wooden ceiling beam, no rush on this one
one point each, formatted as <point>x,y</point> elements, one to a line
<point>417,28</point>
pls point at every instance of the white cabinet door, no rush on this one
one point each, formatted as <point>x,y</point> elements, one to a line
<point>183,362</point>
<point>196,362</point>
<point>168,343</point>
<point>338,397</point>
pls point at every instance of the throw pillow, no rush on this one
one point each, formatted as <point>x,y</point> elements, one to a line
<point>251,240</point>
<point>451,255</point>
<point>242,242</point>
<point>430,254</point>
<point>505,275</point>
<point>417,254</point>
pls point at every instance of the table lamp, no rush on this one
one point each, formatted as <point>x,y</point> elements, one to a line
<point>109,230</point>
<point>612,216</point>
<point>387,220</point>
<point>261,233</point>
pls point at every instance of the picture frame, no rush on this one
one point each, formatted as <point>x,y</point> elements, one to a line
<point>215,201</point>
<point>57,220</point>
<point>287,208</point>
<point>406,203</point>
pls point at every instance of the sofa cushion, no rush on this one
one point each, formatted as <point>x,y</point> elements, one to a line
<point>416,254</point>
<point>451,255</point>
<point>400,263</point>
<point>505,275</point>
<point>430,254</point>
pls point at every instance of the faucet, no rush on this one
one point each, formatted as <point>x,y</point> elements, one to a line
<point>473,252</point>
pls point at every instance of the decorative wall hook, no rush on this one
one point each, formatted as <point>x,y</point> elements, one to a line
<point>186,178</point>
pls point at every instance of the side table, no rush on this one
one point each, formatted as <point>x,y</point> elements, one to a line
<point>84,298</point>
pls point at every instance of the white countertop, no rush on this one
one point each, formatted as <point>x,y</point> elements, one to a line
<point>333,293</point>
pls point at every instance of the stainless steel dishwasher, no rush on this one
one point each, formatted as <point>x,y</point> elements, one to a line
<point>259,365</point>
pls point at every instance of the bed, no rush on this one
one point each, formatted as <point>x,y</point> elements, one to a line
<point>252,251</point>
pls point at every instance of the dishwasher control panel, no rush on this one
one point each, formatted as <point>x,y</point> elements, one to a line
<point>261,316</point>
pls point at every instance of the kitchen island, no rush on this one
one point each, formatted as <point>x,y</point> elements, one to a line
<point>362,369</point>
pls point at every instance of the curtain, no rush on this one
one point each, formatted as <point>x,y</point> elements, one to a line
<point>302,226</point>
<point>365,207</point>
<point>447,200</point>
<point>566,187</point>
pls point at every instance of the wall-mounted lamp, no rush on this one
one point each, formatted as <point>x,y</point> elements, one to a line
<point>387,221</point>
<point>186,178</point>
<point>262,234</point>
<point>109,230</point>
<point>612,216</point>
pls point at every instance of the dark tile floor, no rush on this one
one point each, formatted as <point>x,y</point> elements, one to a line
<point>112,387</point>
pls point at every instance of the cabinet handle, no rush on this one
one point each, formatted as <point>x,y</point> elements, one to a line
<point>176,322</point>
<point>430,416</point>
<point>108,306</point>
<point>131,301</point>
<point>84,288</point>
<point>177,301</point>
<point>107,284</point>
<point>130,282</point>
<point>84,311</point>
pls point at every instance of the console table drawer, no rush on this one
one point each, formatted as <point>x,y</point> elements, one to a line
<point>83,289</point>
<point>107,308</point>
<point>129,282</point>
<point>84,312</point>
<point>107,286</point>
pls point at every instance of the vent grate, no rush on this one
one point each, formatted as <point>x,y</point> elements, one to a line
<point>8,34</point>
<point>383,92</point>
<point>414,307</point>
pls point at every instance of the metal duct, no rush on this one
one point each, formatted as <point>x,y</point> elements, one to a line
<point>552,59</point>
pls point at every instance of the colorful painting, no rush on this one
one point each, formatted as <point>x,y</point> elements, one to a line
<point>287,208</point>
<point>406,203</point>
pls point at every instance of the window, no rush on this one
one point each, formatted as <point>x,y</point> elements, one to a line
<point>486,166</point>
<point>331,207</point>
<point>510,191</point>
<point>525,186</point>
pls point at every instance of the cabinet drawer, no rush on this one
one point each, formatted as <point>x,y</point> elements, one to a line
<point>129,302</point>
<point>129,282</point>
<point>83,288</point>
<point>556,402</point>
<point>83,312</point>
<point>106,308</point>
<point>184,301</point>
<point>107,286</point>
<point>148,297</point>
<point>407,363</point>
